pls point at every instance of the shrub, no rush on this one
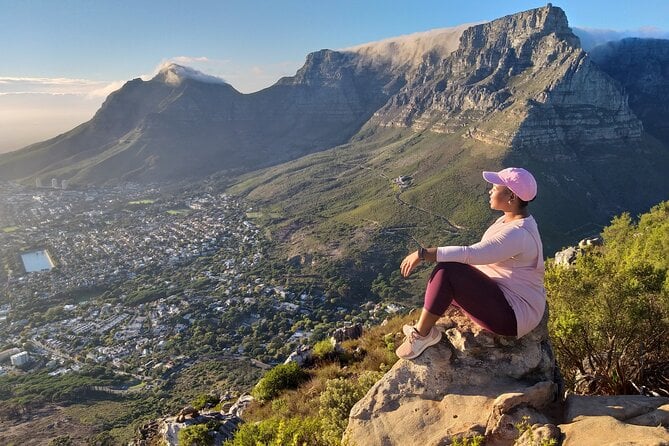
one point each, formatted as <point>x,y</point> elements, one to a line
<point>203,400</point>
<point>476,440</point>
<point>610,311</point>
<point>324,349</point>
<point>283,376</point>
<point>293,431</point>
<point>196,435</point>
<point>337,400</point>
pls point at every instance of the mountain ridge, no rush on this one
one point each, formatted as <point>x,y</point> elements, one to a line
<point>517,90</point>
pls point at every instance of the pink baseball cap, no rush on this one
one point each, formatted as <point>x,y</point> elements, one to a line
<point>519,180</point>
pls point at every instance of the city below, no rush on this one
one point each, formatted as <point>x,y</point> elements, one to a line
<point>142,281</point>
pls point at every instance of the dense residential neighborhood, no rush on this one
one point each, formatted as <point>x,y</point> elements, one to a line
<point>141,280</point>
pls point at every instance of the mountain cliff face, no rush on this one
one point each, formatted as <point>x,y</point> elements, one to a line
<point>520,80</point>
<point>641,66</point>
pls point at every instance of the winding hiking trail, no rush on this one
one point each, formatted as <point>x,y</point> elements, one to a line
<point>452,227</point>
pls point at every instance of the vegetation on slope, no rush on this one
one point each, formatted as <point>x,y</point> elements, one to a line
<point>610,311</point>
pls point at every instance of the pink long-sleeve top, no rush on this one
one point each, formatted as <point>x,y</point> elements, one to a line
<point>512,255</point>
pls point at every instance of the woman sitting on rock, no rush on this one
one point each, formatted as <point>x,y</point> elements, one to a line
<point>498,282</point>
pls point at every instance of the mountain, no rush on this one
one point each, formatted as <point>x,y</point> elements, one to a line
<point>439,107</point>
<point>641,66</point>
<point>516,91</point>
<point>183,124</point>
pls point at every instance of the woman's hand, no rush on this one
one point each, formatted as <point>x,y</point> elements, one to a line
<point>409,263</point>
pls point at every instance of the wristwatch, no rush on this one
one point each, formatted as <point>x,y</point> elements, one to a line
<point>421,253</point>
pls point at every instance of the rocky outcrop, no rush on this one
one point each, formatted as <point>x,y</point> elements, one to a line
<point>471,383</point>
<point>507,391</point>
<point>616,420</point>
<point>222,425</point>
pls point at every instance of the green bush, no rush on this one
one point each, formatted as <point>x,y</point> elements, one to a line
<point>196,435</point>
<point>324,349</point>
<point>610,310</point>
<point>337,400</point>
<point>283,376</point>
<point>203,399</point>
<point>294,431</point>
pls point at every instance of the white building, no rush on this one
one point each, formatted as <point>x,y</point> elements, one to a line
<point>54,183</point>
<point>20,359</point>
<point>38,182</point>
<point>64,184</point>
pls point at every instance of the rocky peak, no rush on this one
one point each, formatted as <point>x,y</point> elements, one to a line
<point>521,80</point>
<point>322,68</point>
<point>174,74</point>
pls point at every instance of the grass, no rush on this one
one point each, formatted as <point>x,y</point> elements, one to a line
<point>137,387</point>
<point>378,346</point>
<point>179,211</point>
<point>145,201</point>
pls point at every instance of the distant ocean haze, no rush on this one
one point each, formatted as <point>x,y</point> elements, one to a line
<point>27,118</point>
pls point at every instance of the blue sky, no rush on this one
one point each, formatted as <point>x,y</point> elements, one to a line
<point>56,53</point>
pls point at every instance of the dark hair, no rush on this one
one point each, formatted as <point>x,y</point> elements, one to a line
<point>523,204</point>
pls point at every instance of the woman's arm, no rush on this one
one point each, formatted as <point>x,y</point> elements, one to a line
<point>413,259</point>
<point>500,247</point>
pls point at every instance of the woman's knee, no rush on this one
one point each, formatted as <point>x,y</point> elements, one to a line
<point>447,268</point>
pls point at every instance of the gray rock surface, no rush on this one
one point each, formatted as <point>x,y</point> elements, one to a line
<point>521,80</point>
<point>507,390</point>
<point>470,383</point>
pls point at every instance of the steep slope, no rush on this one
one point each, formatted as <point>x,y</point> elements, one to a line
<point>642,68</point>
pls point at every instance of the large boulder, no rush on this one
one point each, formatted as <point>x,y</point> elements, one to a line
<point>471,383</point>
<point>616,420</point>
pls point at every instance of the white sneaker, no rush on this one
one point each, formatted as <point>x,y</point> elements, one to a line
<point>414,344</point>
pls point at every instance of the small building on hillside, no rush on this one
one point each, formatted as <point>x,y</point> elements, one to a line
<point>20,359</point>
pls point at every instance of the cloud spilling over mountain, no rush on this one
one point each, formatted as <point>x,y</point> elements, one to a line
<point>174,74</point>
<point>407,52</point>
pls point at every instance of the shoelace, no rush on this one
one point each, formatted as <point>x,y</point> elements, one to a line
<point>415,335</point>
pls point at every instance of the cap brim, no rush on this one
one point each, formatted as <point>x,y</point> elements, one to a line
<point>492,177</point>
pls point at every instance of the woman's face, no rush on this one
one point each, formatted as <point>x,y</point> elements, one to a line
<point>499,197</point>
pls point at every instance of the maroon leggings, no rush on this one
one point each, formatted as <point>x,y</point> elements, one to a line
<point>475,293</point>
